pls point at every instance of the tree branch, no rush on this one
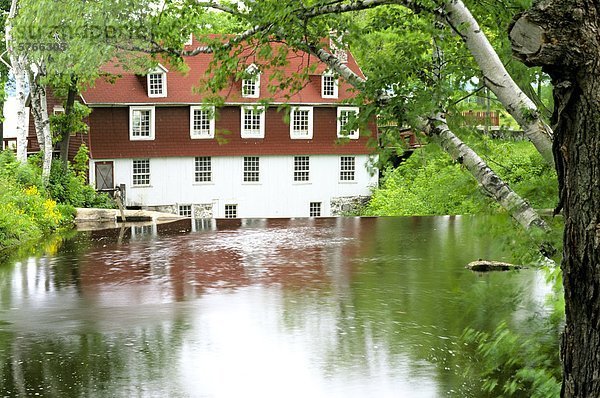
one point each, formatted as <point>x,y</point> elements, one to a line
<point>356,5</point>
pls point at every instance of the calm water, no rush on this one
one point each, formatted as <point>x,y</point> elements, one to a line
<point>256,308</point>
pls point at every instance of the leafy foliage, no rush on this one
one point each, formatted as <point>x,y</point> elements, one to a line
<point>515,365</point>
<point>26,212</point>
<point>430,183</point>
<point>68,188</point>
<point>71,123</point>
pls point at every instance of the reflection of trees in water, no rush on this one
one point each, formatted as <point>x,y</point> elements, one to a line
<point>71,356</point>
<point>366,294</point>
<point>92,364</point>
<point>406,299</point>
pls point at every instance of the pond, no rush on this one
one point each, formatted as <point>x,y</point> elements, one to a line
<point>333,307</point>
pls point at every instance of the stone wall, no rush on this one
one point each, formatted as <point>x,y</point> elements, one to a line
<point>198,210</point>
<point>348,205</point>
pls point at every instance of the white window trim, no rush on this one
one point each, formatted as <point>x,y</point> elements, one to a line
<point>163,72</point>
<point>211,114</point>
<point>149,175</point>
<point>212,174</point>
<point>244,133</point>
<point>354,134</point>
<point>244,182</point>
<point>299,182</point>
<point>353,180</point>
<point>293,134</point>
<point>335,85</point>
<point>252,69</point>
<point>152,114</point>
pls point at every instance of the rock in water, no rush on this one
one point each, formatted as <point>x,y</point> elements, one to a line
<point>485,266</point>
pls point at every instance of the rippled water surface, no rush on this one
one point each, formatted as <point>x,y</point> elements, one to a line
<point>343,307</point>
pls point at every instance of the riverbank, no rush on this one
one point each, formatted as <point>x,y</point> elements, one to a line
<point>89,219</point>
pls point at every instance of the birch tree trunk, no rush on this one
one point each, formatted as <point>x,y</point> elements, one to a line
<point>458,150</point>
<point>563,36</point>
<point>39,111</point>
<point>19,71</point>
<point>497,78</point>
<point>486,177</point>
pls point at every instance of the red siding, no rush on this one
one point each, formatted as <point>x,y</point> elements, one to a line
<point>109,135</point>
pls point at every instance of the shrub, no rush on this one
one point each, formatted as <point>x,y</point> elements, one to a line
<point>68,188</point>
<point>431,183</point>
<point>26,210</point>
<point>428,183</point>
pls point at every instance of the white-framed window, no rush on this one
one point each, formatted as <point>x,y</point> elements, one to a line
<point>251,169</point>
<point>185,210</point>
<point>202,122</point>
<point>141,123</point>
<point>314,209</point>
<point>251,83</point>
<point>141,172</point>
<point>344,114</point>
<point>203,169</point>
<point>301,122</point>
<point>190,40</point>
<point>329,85</point>
<point>301,169</point>
<point>253,121</point>
<point>231,211</point>
<point>157,82</point>
<point>347,168</point>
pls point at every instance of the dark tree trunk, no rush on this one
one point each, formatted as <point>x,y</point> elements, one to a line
<point>563,37</point>
<point>66,135</point>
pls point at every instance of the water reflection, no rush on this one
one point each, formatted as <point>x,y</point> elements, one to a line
<point>343,307</point>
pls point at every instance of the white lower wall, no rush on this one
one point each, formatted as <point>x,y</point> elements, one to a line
<point>276,195</point>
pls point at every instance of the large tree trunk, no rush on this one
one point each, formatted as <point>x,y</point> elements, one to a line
<point>497,79</point>
<point>39,110</point>
<point>19,71</point>
<point>563,37</point>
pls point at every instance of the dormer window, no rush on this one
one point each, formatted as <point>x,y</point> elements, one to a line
<point>329,85</point>
<point>251,82</point>
<point>157,82</point>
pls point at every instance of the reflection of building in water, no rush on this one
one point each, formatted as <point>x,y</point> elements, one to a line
<point>185,258</point>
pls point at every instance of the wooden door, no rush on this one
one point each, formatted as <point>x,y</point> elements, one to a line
<point>104,176</point>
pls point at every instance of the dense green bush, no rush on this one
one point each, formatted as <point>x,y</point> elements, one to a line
<point>27,210</point>
<point>430,183</point>
<point>66,187</point>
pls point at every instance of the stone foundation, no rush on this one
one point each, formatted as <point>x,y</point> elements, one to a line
<point>198,210</point>
<point>348,205</point>
<point>203,211</point>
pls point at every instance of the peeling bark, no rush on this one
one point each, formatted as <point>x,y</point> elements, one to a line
<point>497,78</point>
<point>437,127</point>
<point>19,71</point>
<point>568,49</point>
<point>39,110</point>
<point>518,208</point>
